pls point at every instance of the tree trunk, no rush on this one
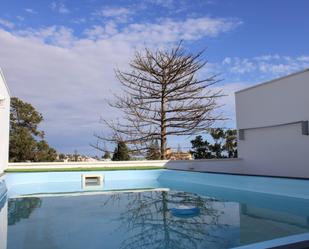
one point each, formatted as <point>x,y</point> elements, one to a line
<point>165,220</point>
<point>163,143</point>
<point>163,129</point>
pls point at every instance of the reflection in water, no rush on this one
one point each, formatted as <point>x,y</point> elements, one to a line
<point>148,215</point>
<point>3,223</point>
<point>143,220</point>
<point>2,202</point>
<point>21,208</point>
<point>134,220</point>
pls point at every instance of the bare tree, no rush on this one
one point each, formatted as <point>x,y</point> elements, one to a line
<point>162,96</point>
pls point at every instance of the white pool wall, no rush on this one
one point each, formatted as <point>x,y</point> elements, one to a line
<point>62,182</point>
<point>24,183</point>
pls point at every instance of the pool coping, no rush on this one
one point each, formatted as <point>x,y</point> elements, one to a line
<point>248,186</point>
<point>42,169</point>
<point>298,241</point>
<point>241,174</point>
<point>78,169</point>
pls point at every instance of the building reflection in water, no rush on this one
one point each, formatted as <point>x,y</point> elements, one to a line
<point>21,208</point>
<point>3,223</point>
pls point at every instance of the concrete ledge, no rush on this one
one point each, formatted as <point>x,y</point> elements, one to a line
<point>226,165</point>
<point>299,241</point>
<point>158,163</point>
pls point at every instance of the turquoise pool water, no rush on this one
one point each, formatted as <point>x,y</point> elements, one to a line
<point>133,210</point>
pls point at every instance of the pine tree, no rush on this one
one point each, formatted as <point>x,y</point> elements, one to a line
<point>26,140</point>
<point>106,155</point>
<point>230,145</point>
<point>121,152</point>
<point>153,152</point>
<point>218,135</point>
<point>201,148</point>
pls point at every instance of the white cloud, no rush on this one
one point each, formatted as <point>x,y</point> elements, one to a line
<point>79,20</point>
<point>59,7</point>
<point>54,35</point>
<point>6,23</point>
<point>267,57</point>
<point>67,77</point>
<point>163,3</point>
<point>227,61</point>
<point>177,5</point>
<point>101,32</point>
<point>115,12</point>
<point>67,85</point>
<point>228,102</point>
<point>241,65</point>
<point>271,65</point>
<point>20,18</point>
<point>31,11</point>
<point>167,30</point>
<point>118,14</point>
<point>303,58</point>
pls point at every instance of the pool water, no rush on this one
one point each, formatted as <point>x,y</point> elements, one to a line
<point>122,220</point>
<point>142,217</point>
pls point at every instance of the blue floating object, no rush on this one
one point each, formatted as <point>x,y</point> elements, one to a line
<point>185,211</point>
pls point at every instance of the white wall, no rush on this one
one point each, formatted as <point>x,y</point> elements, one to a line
<point>228,165</point>
<point>4,123</point>
<point>278,101</point>
<point>269,149</point>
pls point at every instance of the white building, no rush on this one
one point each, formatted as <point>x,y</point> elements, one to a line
<point>272,120</point>
<point>4,122</point>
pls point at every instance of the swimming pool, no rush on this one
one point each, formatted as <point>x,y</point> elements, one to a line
<point>132,209</point>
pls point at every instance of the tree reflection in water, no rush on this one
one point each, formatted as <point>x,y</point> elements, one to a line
<point>21,208</point>
<point>151,225</point>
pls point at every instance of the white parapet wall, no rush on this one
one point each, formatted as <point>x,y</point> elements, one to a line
<point>99,164</point>
<point>228,165</point>
<point>225,165</point>
<point>272,120</point>
<point>4,123</point>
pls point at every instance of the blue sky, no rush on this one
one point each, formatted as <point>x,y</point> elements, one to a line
<point>60,55</point>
